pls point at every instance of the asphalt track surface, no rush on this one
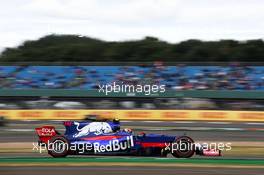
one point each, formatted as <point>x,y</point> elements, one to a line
<point>129,170</point>
<point>129,166</point>
<point>18,131</point>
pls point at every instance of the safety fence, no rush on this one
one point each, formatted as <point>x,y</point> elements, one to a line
<point>172,115</point>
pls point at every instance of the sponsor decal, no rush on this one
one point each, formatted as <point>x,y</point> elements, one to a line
<point>65,114</point>
<point>30,114</point>
<point>46,131</point>
<point>214,115</point>
<point>138,114</point>
<point>94,127</point>
<point>211,152</point>
<point>81,147</point>
<point>114,145</point>
<point>252,116</point>
<point>174,114</point>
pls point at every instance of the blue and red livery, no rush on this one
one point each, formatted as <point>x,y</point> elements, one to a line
<point>106,138</point>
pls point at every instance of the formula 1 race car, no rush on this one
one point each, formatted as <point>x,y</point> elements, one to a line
<point>106,138</point>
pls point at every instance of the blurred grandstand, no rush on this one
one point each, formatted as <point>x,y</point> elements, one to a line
<point>175,77</point>
<point>180,77</point>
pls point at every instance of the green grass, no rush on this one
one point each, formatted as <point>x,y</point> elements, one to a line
<point>133,160</point>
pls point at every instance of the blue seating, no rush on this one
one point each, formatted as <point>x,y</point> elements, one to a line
<point>88,77</point>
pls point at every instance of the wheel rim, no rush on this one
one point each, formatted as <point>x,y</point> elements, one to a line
<point>59,146</point>
<point>184,147</point>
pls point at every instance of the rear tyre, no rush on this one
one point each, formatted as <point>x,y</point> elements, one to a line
<point>2,121</point>
<point>183,147</point>
<point>163,152</point>
<point>58,146</point>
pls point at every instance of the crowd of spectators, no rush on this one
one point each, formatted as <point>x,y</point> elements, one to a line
<point>180,77</point>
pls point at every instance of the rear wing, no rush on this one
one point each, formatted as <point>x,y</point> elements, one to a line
<point>45,133</point>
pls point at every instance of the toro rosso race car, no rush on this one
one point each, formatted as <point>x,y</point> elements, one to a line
<point>106,138</point>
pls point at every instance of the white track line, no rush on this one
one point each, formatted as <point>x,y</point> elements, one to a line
<point>184,122</point>
<point>252,123</point>
<point>221,123</point>
<point>153,121</point>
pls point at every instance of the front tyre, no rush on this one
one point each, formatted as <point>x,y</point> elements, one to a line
<point>58,146</point>
<point>183,147</point>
